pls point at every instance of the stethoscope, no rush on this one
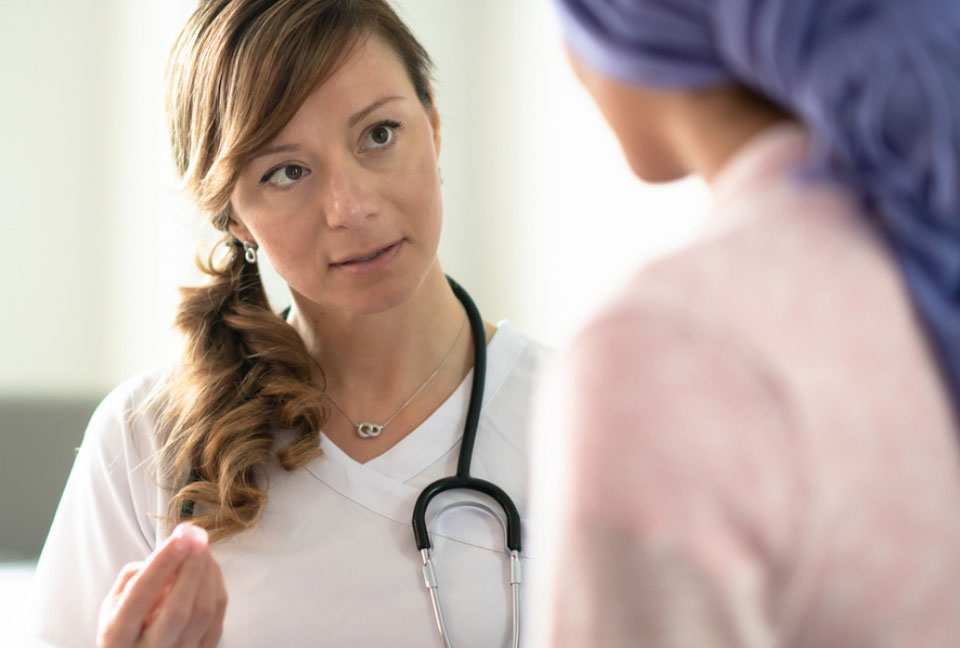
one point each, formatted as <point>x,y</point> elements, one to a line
<point>463,481</point>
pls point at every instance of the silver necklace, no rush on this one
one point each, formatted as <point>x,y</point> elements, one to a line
<point>370,430</point>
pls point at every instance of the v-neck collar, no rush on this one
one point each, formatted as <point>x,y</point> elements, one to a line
<point>381,483</point>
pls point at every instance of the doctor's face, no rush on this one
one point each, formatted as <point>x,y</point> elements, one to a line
<point>345,201</point>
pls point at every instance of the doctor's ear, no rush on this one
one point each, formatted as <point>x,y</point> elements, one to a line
<point>434,116</point>
<point>227,222</point>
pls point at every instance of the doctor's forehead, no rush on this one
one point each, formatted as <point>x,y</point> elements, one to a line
<point>370,78</point>
<point>371,69</point>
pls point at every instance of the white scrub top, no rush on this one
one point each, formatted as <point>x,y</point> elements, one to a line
<point>332,561</point>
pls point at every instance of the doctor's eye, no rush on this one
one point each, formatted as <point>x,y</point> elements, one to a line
<point>285,175</point>
<point>380,135</point>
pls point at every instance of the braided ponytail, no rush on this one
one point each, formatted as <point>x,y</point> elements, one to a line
<point>244,372</point>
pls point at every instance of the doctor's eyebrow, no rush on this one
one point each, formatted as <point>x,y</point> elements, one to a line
<point>269,150</point>
<point>358,116</point>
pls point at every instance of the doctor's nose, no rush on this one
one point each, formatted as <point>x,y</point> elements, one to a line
<point>348,199</point>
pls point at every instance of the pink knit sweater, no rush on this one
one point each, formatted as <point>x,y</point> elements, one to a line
<point>751,445</point>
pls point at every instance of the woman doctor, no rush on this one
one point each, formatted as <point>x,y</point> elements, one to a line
<point>290,449</point>
<point>756,443</point>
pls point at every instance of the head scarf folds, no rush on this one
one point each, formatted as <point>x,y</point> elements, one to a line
<point>876,81</point>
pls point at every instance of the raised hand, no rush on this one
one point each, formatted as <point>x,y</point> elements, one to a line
<point>176,597</point>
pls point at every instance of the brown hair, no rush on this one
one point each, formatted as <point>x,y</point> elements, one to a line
<point>238,73</point>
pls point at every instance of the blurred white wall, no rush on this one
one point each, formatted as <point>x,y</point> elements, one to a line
<point>97,239</point>
<point>542,216</point>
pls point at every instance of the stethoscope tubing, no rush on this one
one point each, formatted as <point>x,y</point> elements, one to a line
<point>463,481</point>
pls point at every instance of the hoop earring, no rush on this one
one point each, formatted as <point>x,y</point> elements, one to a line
<point>249,252</point>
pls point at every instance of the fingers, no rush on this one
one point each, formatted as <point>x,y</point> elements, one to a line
<point>176,610</point>
<point>129,571</point>
<point>192,615</point>
<point>200,616</point>
<point>190,607</point>
<point>215,631</point>
<point>164,593</point>
<point>206,623</point>
<point>111,628</point>
<point>139,586</point>
<point>145,587</point>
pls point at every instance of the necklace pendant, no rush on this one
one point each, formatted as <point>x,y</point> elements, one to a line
<point>369,430</point>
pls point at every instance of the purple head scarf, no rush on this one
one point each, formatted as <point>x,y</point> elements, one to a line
<point>876,81</point>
